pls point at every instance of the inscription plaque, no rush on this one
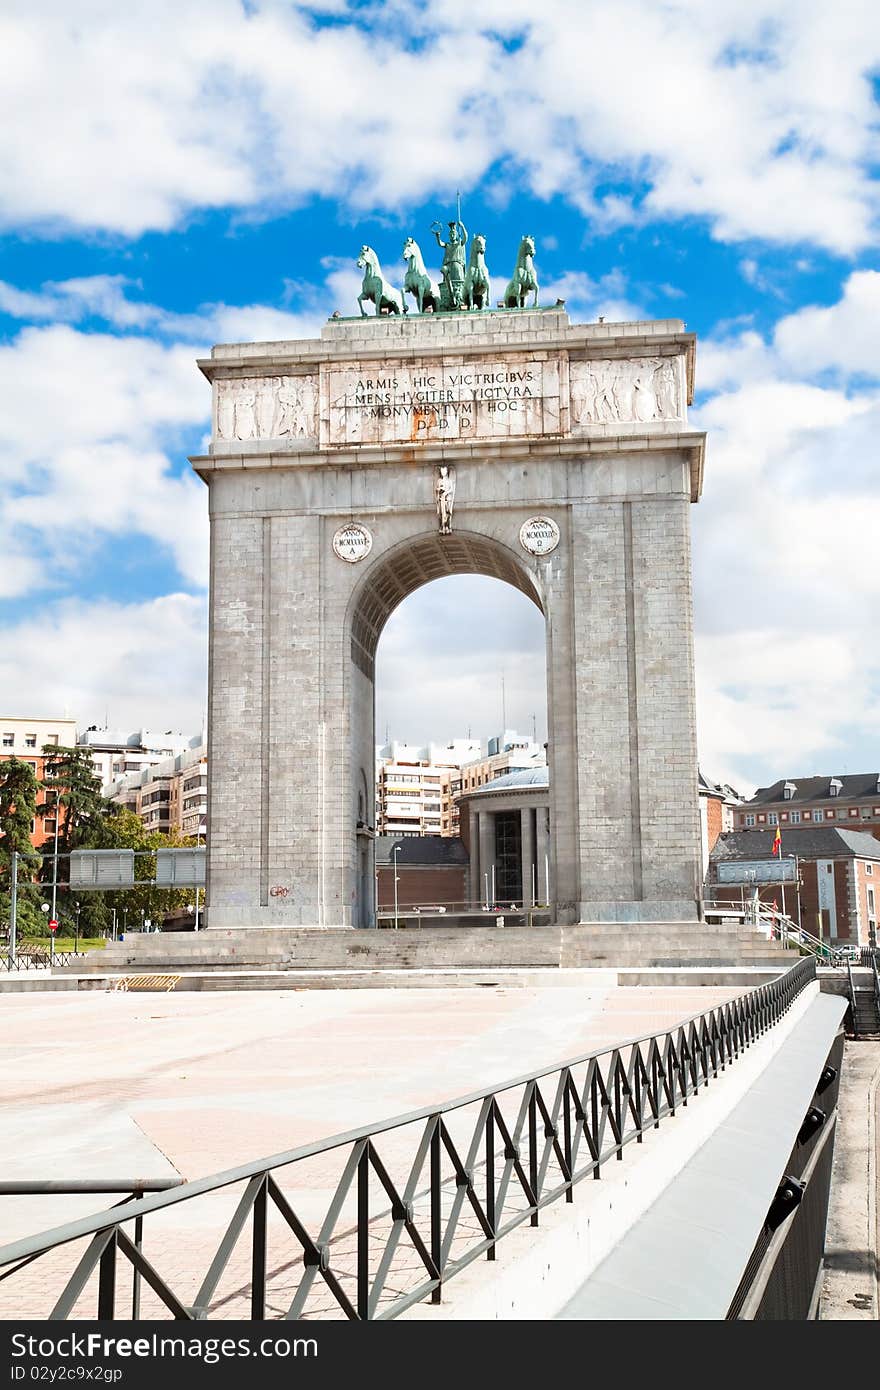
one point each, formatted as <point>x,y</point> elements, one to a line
<point>352,542</point>
<point>441,399</point>
<point>539,535</point>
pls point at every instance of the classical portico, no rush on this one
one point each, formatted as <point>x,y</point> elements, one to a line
<point>346,471</point>
<point>507,831</point>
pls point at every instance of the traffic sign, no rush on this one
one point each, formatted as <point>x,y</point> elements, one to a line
<point>53,924</point>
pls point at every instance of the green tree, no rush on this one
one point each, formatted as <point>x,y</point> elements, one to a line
<point>122,829</point>
<point>18,806</point>
<point>71,783</point>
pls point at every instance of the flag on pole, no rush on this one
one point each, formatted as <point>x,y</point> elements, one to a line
<point>777,843</point>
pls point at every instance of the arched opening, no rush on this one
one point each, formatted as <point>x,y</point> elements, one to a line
<point>471,640</point>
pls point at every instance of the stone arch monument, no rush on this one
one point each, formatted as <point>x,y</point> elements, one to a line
<point>347,471</point>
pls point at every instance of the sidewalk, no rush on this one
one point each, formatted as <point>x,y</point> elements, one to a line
<point>850,1286</point>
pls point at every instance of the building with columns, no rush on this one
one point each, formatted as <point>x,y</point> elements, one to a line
<point>505,826</point>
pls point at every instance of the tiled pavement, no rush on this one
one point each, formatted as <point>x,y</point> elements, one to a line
<point>124,1085</point>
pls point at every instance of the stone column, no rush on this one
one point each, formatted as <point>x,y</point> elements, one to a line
<point>474,880</point>
<point>487,850</point>
<point>542,851</point>
<point>527,838</point>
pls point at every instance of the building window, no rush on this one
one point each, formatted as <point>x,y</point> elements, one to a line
<point>854,810</point>
<point>835,787</point>
<point>795,817</point>
<point>869,868</point>
<point>30,740</point>
<point>772,818</point>
<point>49,826</point>
<point>870,902</point>
<point>750,820</point>
<point>761,819</point>
<point>9,740</point>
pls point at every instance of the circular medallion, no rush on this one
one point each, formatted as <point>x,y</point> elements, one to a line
<point>352,542</point>
<point>539,535</point>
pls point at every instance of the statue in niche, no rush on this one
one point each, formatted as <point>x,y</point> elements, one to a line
<point>444,495</point>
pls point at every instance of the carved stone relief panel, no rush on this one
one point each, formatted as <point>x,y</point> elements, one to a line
<point>625,391</point>
<point>270,407</point>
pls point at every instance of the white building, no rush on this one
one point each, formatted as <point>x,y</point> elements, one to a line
<point>171,795</point>
<point>417,786</point>
<point>116,754</point>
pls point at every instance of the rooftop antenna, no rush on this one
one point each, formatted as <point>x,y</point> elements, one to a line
<point>534,729</point>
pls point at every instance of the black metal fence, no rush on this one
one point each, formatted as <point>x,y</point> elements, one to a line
<point>476,1168</point>
<point>36,958</point>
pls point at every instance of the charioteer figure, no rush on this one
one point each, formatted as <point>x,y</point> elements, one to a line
<point>454,264</point>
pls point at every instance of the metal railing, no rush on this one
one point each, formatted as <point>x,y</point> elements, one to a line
<point>851,993</point>
<point>132,1187</point>
<point>532,1141</point>
<point>36,959</point>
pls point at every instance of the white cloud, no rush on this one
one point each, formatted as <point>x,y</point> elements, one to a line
<point>757,115</point>
<point>844,336</point>
<point>436,680</point>
<point>129,661</point>
<point>108,298</point>
<point>785,585</point>
<point>88,450</point>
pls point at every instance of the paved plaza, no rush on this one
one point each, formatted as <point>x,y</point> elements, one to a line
<point>151,1085</point>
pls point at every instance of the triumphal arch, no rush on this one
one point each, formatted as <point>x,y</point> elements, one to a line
<point>347,470</point>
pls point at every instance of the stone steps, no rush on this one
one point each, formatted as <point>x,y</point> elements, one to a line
<point>602,944</point>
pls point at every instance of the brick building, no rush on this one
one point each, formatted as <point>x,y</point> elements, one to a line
<point>834,890</point>
<point>25,740</point>
<point>432,871</point>
<point>851,801</point>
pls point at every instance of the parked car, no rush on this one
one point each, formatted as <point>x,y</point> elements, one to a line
<point>847,953</point>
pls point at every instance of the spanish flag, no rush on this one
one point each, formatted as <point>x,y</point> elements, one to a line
<point>777,843</point>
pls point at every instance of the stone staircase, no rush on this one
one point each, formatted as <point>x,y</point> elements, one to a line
<point>585,946</point>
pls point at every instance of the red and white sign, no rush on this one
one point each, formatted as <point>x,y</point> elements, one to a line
<point>53,924</point>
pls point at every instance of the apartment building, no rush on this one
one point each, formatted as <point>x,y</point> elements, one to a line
<point>417,787</point>
<point>508,752</point>
<point>118,754</point>
<point>25,739</point>
<point>171,796</point>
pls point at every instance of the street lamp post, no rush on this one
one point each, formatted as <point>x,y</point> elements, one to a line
<point>13,907</point>
<point>54,917</point>
<point>44,907</point>
<point>394,854</point>
<point>76,930</point>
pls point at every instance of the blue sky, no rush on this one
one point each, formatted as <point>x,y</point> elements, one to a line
<point>177,175</point>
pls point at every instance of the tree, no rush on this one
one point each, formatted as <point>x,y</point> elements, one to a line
<point>18,808</point>
<point>122,829</point>
<point>69,776</point>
